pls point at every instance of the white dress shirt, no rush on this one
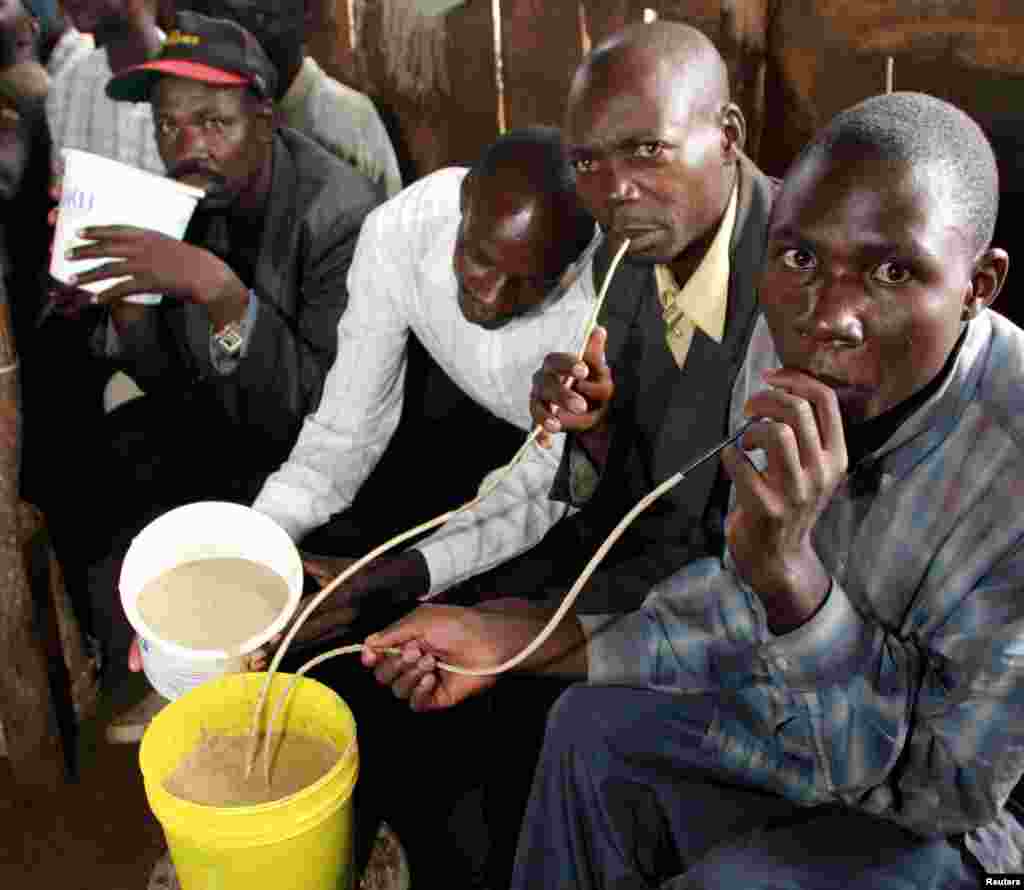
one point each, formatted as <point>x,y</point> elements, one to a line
<point>402,280</point>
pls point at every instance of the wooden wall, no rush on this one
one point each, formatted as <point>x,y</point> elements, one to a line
<point>542,45</point>
<point>792,64</point>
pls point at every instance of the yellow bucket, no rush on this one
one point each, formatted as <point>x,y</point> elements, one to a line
<point>301,842</point>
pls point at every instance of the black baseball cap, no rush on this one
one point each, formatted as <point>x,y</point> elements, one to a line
<point>214,51</point>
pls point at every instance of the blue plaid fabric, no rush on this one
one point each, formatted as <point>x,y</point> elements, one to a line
<point>904,695</point>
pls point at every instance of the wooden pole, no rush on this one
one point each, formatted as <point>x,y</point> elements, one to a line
<point>353,30</point>
<point>499,74</point>
<point>585,42</point>
<point>26,705</point>
<point>890,64</point>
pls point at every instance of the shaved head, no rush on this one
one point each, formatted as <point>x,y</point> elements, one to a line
<point>655,141</point>
<point>679,56</point>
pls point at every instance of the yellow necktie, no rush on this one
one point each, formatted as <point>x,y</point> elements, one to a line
<point>678,327</point>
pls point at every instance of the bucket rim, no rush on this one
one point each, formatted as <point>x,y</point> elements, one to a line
<point>293,579</point>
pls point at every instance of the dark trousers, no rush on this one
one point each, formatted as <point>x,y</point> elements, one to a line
<point>414,769</point>
<point>146,457</point>
<point>453,784</point>
<point>628,795</point>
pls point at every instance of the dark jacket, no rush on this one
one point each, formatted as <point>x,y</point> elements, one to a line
<point>662,417</point>
<point>314,212</point>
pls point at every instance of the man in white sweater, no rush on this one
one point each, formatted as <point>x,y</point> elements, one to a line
<point>482,267</point>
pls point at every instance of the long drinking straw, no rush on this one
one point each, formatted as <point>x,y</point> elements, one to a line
<point>411,533</point>
<point>559,614</point>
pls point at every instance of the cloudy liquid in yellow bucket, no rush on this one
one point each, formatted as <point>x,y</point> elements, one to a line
<point>301,841</point>
<point>213,772</point>
<point>216,603</point>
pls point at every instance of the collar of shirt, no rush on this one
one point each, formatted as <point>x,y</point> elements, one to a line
<point>300,88</point>
<point>702,301</point>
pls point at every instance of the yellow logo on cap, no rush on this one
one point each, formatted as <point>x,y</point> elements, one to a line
<point>177,37</point>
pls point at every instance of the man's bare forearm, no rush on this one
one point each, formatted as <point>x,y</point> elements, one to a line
<point>563,653</point>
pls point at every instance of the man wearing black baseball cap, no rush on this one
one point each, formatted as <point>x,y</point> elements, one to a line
<point>217,52</point>
<point>235,355</point>
<point>340,118</point>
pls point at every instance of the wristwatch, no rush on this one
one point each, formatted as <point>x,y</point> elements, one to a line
<point>229,338</point>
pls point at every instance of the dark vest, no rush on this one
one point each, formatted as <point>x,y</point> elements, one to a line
<point>663,416</point>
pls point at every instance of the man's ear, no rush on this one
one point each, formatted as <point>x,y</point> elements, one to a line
<point>734,131</point>
<point>986,281</point>
<point>269,118</point>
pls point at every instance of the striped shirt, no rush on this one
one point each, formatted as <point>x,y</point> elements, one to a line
<point>81,116</point>
<point>904,695</point>
<point>70,46</point>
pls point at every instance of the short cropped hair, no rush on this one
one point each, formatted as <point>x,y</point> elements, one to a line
<point>921,130</point>
<point>535,152</point>
<point>536,156</point>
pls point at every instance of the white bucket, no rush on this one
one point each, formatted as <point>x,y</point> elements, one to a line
<point>98,191</point>
<point>203,530</point>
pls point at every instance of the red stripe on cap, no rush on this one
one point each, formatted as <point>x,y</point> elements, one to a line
<point>195,71</point>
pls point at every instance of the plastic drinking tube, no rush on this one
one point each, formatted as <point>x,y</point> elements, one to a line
<point>570,597</point>
<point>559,614</point>
<point>411,533</point>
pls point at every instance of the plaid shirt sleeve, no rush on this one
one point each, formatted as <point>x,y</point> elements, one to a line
<point>926,732</point>
<point>904,694</point>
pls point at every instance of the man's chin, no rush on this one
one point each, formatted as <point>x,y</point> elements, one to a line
<point>196,181</point>
<point>215,201</point>
<point>487,322</point>
<point>644,259</point>
<point>649,255</point>
<point>856,406</point>
<point>482,319</point>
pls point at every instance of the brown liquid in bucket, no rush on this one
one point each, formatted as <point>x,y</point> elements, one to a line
<point>213,773</point>
<point>214,603</point>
